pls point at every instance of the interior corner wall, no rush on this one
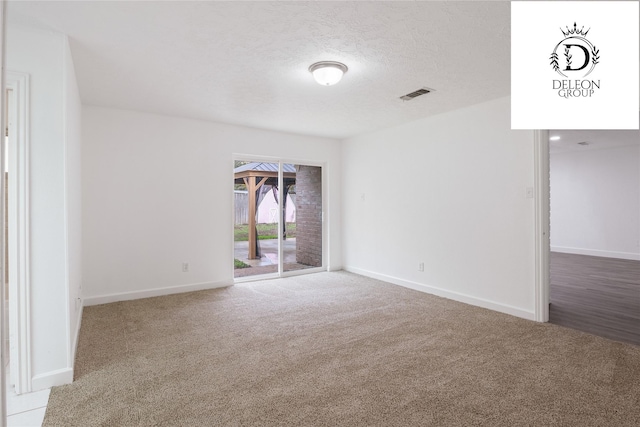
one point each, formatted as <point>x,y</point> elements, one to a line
<point>448,191</point>
<point>73,192</point>
<point>158,192</point>
<point>41,55</point>
<point>595,202</point>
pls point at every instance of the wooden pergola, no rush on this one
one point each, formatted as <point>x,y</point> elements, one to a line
<point>254,176</point>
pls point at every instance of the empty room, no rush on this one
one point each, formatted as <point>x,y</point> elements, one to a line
<point>284,213</point>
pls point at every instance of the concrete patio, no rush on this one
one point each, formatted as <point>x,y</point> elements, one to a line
<point>269,249</point>
<point>268,263</point>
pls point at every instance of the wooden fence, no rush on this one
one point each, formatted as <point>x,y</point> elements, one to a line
<point>241,204</point>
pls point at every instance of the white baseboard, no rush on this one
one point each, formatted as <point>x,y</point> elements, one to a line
<point>148,293</point>
<point>52,379</point>
<point>456,296</point>
<point>596,252</point>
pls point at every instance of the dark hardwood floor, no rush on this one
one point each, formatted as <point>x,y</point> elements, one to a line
<point>596,295</point>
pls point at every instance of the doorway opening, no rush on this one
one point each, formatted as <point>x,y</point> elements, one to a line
<point>278,219</point>
<point>595,232</point>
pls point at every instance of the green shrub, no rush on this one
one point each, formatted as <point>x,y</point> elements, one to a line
<point>239,264</point>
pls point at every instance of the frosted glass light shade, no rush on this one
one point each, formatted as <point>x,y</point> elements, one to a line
<point>328,73</point>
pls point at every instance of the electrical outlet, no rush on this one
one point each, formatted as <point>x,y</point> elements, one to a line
<point>529,192</point>
<point>421,266</point>
<point>185,267</point>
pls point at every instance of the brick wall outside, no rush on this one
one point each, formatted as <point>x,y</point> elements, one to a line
<point>309,215</point>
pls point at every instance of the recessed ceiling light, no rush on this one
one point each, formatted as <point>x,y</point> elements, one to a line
<point>554,138</point>
<point>328,73</point>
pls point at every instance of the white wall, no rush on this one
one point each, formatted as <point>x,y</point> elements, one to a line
<point>73,192</point>
<point>456,183</point>
<point>595,202</point>
<point>53,138</point>
<point>158,191</point>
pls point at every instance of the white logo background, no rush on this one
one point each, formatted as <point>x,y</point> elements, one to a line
<point>535,31</point>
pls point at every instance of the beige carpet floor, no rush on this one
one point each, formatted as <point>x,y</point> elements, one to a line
<point>337,349</point>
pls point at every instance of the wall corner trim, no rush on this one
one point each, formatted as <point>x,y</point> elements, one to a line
<point>157,292</point>
<point>455,296</point>
<point>542,214</point>
<point>76,337</point>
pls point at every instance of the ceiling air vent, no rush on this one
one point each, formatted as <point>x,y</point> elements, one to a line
<point>415,94</point>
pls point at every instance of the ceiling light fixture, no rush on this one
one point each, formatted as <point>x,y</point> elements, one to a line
<point>554,138</point>
<point>327,73</point>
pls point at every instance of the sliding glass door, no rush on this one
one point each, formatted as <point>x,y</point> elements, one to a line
<point>278,218</point>
<point>302,236</point>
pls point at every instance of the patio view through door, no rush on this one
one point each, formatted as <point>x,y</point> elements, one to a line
<point>278,221</point>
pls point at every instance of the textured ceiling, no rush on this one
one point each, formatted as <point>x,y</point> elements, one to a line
<point>246,62</point>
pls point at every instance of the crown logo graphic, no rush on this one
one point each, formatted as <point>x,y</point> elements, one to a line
<point>574,31</point>
<point>574,43</point>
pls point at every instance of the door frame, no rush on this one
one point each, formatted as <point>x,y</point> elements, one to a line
<point>325,251</point>
<point>542,220</point>
<point>3,237</point>
<point>19,234</point>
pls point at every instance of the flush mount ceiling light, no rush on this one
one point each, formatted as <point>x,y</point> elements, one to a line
<point>327,73</point>
<point>554,138</point>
